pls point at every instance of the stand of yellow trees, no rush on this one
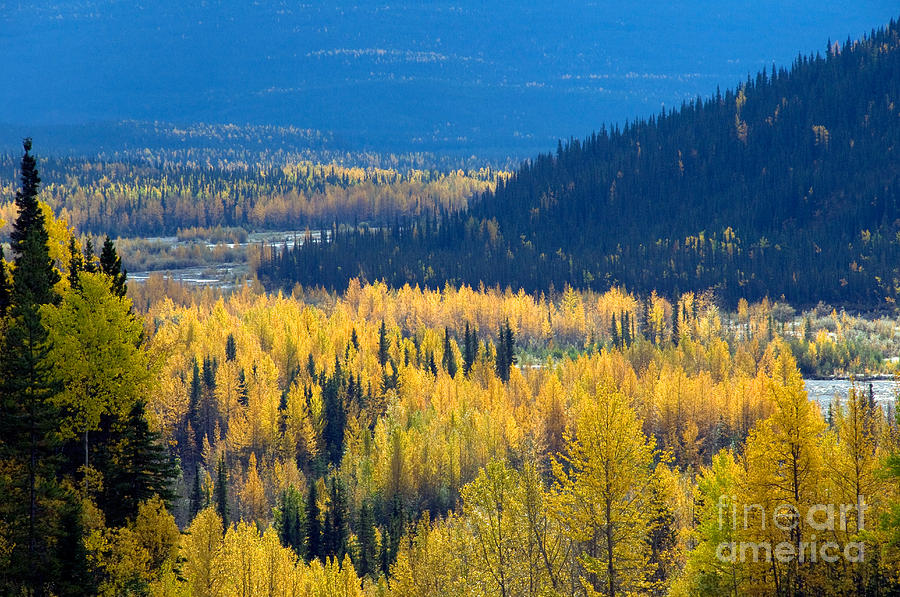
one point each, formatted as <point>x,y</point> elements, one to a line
<point>617,471</point>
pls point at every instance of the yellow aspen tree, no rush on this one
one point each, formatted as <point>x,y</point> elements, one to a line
<point>492,505</point>
<point>228,390</point>
<point>784,472</point>
<point>241,561</point>
<point>202,552</point>
<point>710,570</point>
<point>254,506</point>
<point>852,460</point>
<point>423,569</point>
<point>547,548</point>
<point>96,355</point>
<point>603,494</point>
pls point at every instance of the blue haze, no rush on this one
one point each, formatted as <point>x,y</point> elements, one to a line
<point>473,76</point>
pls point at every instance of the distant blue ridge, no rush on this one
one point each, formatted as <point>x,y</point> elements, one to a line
<point>481,77</point>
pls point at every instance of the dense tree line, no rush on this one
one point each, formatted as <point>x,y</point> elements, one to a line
<point>786,185</point>
<point>162,192</point>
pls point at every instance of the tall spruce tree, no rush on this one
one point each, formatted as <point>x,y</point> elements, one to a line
<point>336,523</point>
<point>500,365</point>
<point>676,332</point>
<point>449,358</point>
<point>510,347</point>
<point>89,264</point>
<point>231,348</point>
<point>196,499</point>
<point>34,497</point>
<point>614,331</point>
<point>139,469</point>
<point>290,521</point>
<point>221,493</point>
<point>313,524</point>
<point>34,276</point>
<point>626,329</point>
<point>384,344</point>
<point>195,405</point>
<point>384,552</point>
<point>76,264</point>
<point>471,350</point>
<point>506,351</point>
<point>111,265</point>
<point>366,552</point>
<point>395,531</point>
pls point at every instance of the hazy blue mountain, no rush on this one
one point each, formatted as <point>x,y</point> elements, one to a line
<point>472,75</point>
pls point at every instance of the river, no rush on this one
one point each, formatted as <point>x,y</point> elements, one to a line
<point>824,390</point>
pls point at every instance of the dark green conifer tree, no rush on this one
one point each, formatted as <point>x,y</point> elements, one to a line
<point>366,553</point>
<point>74,575</point>
<point>396,529</point>
<point>290,521</point>
<point>384,344</point>
<point>76,264</point>
<point>432,365</point>
<point>646,327</point>
<point>231,348</point>
<point>390,381</point>
<point>28,419</point>
<point>34,276</point>
<point>311,367</point>
<point>509,346</point>
<point>614,331</point>
<point>676,332</point>
<point>208,412</point>
<point>313,524</point>
<point>384,552</point>
<point>195,405</point>
<point>243,396</point>
<point>196,499</point>
<point>471,350</point>
<point>335,415</point>
<point>90,265</point>
<point>336,527</point>
<point>221,493</point>
<point>139,468</point>
<point>111,265</point>
<point>626,329</point>
<point>501,367</point>
<point>449,358</point>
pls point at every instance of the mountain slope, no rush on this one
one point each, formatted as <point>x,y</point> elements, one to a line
<point>787,186</point>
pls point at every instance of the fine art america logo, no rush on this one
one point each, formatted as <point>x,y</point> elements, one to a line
<point>813,534</point>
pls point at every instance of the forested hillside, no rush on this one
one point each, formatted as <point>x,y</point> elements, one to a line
<point>785,186</point>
